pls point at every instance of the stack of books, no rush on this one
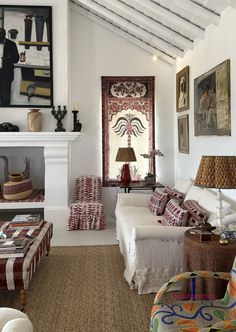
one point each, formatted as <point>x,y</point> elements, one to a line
<point>14,247</point>
<point>26,221</point>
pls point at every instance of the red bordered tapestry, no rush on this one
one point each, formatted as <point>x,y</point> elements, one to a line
<point>128,121</point>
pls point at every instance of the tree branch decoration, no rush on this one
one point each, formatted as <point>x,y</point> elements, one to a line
<point>151,155</point>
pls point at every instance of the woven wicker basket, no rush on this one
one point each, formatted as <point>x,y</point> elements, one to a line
<point>17,190</point>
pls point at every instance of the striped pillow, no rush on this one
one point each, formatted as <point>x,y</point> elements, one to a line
<point>197,214</point>
<point>158,202</point>
<point>175,194</point>
<point>174,214</point>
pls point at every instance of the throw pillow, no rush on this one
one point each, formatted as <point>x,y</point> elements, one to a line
<point>158,202</point>
<point>174,214</point>
<point>197,214</point>
<point>194,193</point>
<point>175,194</point>
<point>183,185</point>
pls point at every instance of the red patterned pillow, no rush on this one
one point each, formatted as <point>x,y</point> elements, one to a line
<point>197,214</point>
<point>174,214</point>
<point>173,193</point>
<point>158,202</point>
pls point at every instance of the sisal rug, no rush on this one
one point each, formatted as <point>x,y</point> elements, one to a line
<point>82,289</point>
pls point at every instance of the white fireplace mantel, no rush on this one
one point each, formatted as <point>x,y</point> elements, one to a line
<point>14,139</point>
<point>57,171</point>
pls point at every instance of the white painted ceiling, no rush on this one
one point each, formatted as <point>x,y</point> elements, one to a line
<point>166,28</point>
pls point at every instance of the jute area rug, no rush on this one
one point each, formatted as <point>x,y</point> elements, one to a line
<point>82,289</point>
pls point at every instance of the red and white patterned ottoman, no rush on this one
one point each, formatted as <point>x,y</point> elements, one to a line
<point>17,273</point>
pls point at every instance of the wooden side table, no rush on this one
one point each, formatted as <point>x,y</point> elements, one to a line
<point>208,256</point>
<point>140,186</point>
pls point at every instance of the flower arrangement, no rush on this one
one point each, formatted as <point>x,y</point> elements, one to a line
<point>151,155</point>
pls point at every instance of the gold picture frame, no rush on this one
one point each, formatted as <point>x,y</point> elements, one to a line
<point>183,133</point>
<point>182,90</point>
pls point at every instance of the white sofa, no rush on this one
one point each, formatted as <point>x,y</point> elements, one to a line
<point>153,253</point>
<point>13,320</point>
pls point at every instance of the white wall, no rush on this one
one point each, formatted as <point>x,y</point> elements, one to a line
<point>96,52</point>
<point>217,46</point>
<point>60,30</point>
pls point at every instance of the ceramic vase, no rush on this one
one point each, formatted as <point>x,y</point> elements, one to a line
<point>34,120</point>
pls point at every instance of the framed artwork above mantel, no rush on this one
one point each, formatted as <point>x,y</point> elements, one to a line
<point>26,73</point>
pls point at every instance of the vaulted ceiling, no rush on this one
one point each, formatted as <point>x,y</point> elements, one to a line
<point>165,28</point>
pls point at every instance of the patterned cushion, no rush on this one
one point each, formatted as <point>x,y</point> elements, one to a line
<point>174,214</point>
<point>173,193</point>
<point>197,214</point>
<point>158,202</point>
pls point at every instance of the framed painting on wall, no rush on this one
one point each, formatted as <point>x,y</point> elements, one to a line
<point>183,133</point>
<point>26,67</point>
<point>182,90</point>
<point>212,101</point>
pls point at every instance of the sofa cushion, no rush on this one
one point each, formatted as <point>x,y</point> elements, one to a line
<point>174,214</point>
<point>183,185</point>
<point>197,214</point>
<point>158,202</point>
<point>194,193</point>
<point>208,200</point>
<point>227,220</point>
<point>174,194</point>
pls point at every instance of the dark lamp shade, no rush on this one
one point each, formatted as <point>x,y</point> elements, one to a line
<point>217,172</point>
<point>125,154</point>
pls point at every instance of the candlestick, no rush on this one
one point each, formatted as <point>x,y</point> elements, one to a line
<point>77,124</point>
<point>59,116</point>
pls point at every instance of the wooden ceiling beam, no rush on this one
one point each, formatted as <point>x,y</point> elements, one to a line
<point>132,28</point>
<point>174,20</point>
<point>148,22</point>
<point>124,34</point>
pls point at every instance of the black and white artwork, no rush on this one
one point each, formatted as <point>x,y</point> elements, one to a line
<point>26,56</point>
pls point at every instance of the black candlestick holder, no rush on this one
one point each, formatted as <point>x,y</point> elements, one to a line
<point>77,124</point>
<point>59,116</point>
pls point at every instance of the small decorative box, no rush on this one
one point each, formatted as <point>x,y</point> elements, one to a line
<point>201,235</point>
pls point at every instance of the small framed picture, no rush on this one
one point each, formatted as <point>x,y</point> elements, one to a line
<point>183,133</point>
<point>182,90</point>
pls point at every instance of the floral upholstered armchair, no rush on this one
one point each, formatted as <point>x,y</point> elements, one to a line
<point>86,212</point>
<point>196,316</point>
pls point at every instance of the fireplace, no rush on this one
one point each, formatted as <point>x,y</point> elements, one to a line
<point>56,151</point>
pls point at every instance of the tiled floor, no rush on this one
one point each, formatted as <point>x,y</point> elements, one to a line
<point>85,238</point>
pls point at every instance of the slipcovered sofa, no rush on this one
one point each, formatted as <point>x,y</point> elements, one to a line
<point>153,253</point>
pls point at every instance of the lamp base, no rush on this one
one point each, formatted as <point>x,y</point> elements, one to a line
<point>125,174</point>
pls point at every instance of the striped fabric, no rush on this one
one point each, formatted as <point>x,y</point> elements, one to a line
<point>37,196</point>
<point>87,211</point>
<point>16,273</point>
<point>88,188</point>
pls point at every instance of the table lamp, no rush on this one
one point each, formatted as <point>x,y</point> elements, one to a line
<point>217,172</point>
<point>127,155</point>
